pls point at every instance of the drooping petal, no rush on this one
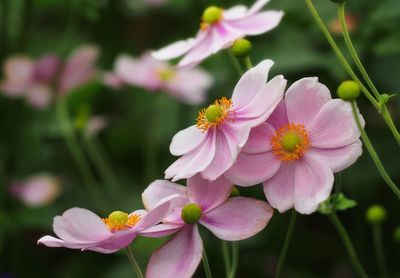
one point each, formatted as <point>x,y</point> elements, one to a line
<point>313,183</point>
<point>50,241</point>
<point>334,126</point>
<point>179,257</point>
<point>259,138</point>
<point>251,169</point>
<point>304,99</point>
<point>174,50</point>
<point>200,50</point>
<point>238,218</point>
<point>258,23</point>
<point>279,190</point>
<point>161,230</point>
<point>160,189</point>
<point>186,140</point>
<point>338,159</point>
<point>207,194</point>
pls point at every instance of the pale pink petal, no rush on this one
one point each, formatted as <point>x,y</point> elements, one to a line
<point>200,50</point>
<point>161,230</point>
<point>50,241</point>
<point>120,240</point>
<point>259,139</point>
<point>46,68</point>
<point>174,50</point>
<point>257,6</point>
<point>338,159</point>
<point>257,23</point>
<point>238,218</point>
<point>251,169</point>
<point>18,73</point>
<point>279,189</point>
<point>207,194</point>
<point>235,12</point>
<point>334,126</point>
<point>278,118</point>
<point>158,190</point>
<point>179,257</point>
<point>187,140</point>
<point>39,96</point>
<point>313,183</point>
<point>304,99</point>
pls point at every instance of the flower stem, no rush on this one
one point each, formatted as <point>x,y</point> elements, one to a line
<point>225,254</point>
<point>206,265</point>
<point>236,63</point>
<point>380,253</point>
<point>373,153</point>
<point>286,244</point>
<point>134,263</point>
<point>235,259</point>
<point>247,62</point>
<point>348,245</point>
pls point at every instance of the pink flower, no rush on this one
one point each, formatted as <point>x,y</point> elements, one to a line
<point>80,228</point>
<point>295,152</point>
<point>38,190</point>
<point>219,29</point>
<point>208,204</point>
<point>211,146</point>
<point>189,86</point>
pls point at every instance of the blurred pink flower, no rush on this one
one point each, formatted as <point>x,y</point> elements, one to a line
<point>187,85</point>
<point>38,190</point>
<point>227,218</point>
<point>219,29</point>
<point>311,136</point>
<point>80,228</point>
<point>211,146</point>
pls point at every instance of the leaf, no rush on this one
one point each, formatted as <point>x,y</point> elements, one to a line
<point>336,202</point>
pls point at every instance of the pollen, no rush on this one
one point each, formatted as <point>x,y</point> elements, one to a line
<point>290,142</point>
<point>215,114</point>
<point>118,221</point>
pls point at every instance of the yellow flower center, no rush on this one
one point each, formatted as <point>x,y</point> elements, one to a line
<point>290,142</point>
<point>166,74</point>
<point>215,114</point>
<point>119,220</point>
<point>210,16</point>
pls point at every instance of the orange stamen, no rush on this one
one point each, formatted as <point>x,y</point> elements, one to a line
<point>225,106</point>
<point>132,221</point>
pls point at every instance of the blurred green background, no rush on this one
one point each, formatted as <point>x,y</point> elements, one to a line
<point>142,125</point>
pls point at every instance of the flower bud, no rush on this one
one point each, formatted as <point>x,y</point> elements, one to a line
<point>118,217</point>
<point>191,213</point>
<point>241,48</point>
<point>376,214</point>
<point>349,90</point>
<point>212,14</point>
<point>213,112</point>
<point>235,192</point>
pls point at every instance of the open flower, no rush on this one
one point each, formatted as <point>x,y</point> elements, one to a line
<point>211,146</point>
<point>80,228</point>
<point>295,152</point>
<point>208,204</point>
<point>219,28</point>
<point>187,85</point>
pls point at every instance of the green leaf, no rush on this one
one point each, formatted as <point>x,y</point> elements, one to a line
<point>336,202</point>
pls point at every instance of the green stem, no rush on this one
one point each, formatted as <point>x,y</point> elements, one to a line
<point>236,63</point>
<point>235,259</point>
<point>206,265</point>
<point>389,121</point>
<point>247,62</point>
<point>373,153</point>
<point>380,253</point>
<point>77,154</point>
<point>134,263</point>
<point>348,245</point>
<point>286,244</point>
<point>225,254</point>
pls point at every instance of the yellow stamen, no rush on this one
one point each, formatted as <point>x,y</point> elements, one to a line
<point>215,114</point>
<point>121,223</point>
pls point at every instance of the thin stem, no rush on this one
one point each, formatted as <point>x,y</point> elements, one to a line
<point>134,263</point>
<point>206,265</point>
<point>225,255</point>
<point>235,259</point>
<point>286,244</point>
<point>373,153</point>
<point>348,245</point>
<point>339,54</point>
<point>380,252</point>
<point>235,63</point>
<point>389,121</point>
<point>247,62</point>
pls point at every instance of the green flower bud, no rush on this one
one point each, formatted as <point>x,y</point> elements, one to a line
<point>376,214</point>
<point>191,213</point>
<point>118,217</point>
<point>213,112</point>
<point>212,14</point>
<point>396,234</point>
<point>349,90</point>
<point>235,192</point>
<point>241,48</point>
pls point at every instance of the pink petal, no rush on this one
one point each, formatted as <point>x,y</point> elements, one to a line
<point>257,6</point>
<point>235,12</point>
<point>46,68</point>
<point>338,159</point>
<point>206,194</point>
<point>200,50</point>
<point>251,169</point>
<point>278,118</point>
<point>238,218</point>
<point>39,96</point>
<point>313,183</point>
<point>50,241</point>
<point>259,138</point>
<point>120,240</point>
<point>279,189</point>
<point>161,230</point>
<point>257,23</point>
<point>158,190</point>
<point>179,257</point>
<point>18,72</point>
<point>174,50</point>
<point>334,126</point>
<point>304,99</point>
<point>187,140</point>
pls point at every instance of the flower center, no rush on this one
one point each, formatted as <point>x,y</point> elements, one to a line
<point>215,114</point>
<point>166,74</point>
<point>290,142</point>
<point>119,220</point>
<point>191,213</point>
<point>210,16</point>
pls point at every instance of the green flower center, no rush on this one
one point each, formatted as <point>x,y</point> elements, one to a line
<point>118,217</point>
<point>290,141</point>
<point>213,112</point>
<point>212,14</point>
<point>191,213</point>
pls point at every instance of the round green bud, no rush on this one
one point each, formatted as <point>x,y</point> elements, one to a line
<point>234,192</point>
<point>241,48</point>
<point>213,112</point>
<point>118,217</point>
<point>396,234</point>
<point>290,141</point>
<point>349,90</point>
<point>212,14</point>
<point>375,214</point>
<point>191,213</point>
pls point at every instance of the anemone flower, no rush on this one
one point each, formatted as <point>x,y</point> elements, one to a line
<point>219,28</point>
<point>208,204</point>
<point>295,152</point>
<point>211,146</point>
<point>80,228</point>
<point>187,85</point>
